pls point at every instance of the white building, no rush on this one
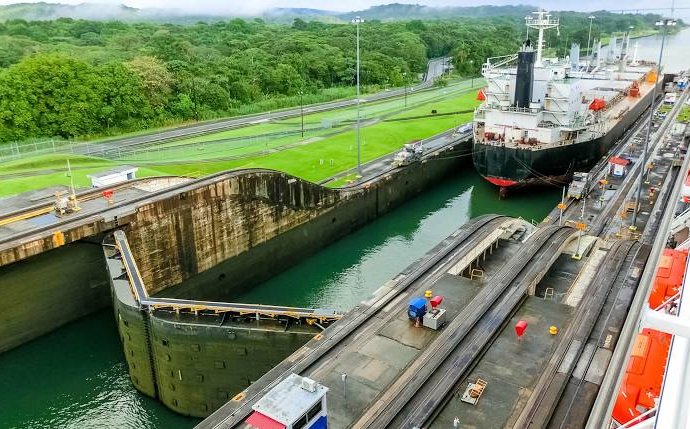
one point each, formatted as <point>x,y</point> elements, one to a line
<point>113,176</point>
<point>294,403</point>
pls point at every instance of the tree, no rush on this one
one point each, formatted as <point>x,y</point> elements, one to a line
<point>155,78</point>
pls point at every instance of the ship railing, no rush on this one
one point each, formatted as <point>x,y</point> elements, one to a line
<point>495,62</point>
<point>613,101</point>
<point>525,146</point>
<point>502,94</point>
<point>519,109</point>
<point>641,421</point>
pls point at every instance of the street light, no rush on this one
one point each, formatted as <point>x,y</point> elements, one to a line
<point>357,20</point>
<point>664,23</point>
<point>589,36</point>
<point>301,110</point>
<point>405,79</point>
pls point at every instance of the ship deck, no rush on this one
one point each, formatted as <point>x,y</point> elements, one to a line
<point>627,103</point>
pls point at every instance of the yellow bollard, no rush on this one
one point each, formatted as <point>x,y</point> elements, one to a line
<point>553,330</point>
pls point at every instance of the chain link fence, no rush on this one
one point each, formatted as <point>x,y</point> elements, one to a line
<point>31,148</point>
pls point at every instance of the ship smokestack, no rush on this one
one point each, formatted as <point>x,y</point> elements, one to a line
<point>525,76</point>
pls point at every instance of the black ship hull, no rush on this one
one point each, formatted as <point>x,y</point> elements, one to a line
<point>513,167</point>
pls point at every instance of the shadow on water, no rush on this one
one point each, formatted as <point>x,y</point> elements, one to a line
<point>350,269</point>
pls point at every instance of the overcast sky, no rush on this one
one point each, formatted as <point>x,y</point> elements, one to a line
<point>253,6</point>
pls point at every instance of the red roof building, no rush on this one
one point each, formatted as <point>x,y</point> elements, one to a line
<point>618,166</point>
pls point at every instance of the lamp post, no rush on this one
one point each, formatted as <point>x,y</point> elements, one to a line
<point>357,20</point>
<point>589,37</point>
<point>663,24</point>
<point>405,79</point>
<point>301,110</point>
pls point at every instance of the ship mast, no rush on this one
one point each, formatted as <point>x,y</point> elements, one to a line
<point>543,21</point>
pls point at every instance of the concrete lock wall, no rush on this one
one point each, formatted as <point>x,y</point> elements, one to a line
<point>195,364</point>
<point>44,292</point>
<point>194,231</point>
<point>199,367</point>
<point>203,241</point>
<point>305,235</point>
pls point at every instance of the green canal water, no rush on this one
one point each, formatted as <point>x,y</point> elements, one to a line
<point>76,376</point>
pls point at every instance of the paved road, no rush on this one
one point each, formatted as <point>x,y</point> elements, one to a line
<point>436,67</point>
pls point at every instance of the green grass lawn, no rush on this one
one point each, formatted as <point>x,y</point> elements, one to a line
<point>214,147</point>
<point>345,114</point>
<point>18,185</point>
<point>315,160</point>
<point>325,158</point>
<point>342,181</point>
<point>684,115</point>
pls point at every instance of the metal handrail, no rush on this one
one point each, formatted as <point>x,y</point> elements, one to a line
<point>637,420</point>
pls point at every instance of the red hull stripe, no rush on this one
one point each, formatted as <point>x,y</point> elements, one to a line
<point>501,182</point>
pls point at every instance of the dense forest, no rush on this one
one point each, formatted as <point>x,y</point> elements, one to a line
<point>72,78</point>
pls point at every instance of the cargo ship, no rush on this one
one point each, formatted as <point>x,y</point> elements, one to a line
<point>542,119</point>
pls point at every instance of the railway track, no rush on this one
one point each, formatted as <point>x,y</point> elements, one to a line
<point>598,169</point>
<point>624,191</point>
<point>469,236</point>
<point>603,337</point>
<point>413,397</point>
<point>545,397</point>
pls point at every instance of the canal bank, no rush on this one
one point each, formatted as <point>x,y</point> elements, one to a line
<point>338,276</point>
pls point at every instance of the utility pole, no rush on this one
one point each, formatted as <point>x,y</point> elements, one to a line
<point>581,227</point>
<point>301,110</point>
<point>357,21</point>
<point>405,78</point>
<point>663,24</point>
<point>589,38</point>
<point>561,208</point>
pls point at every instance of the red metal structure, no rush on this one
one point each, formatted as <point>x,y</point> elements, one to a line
<point>644,376</point>
<point>597,104</point>
<point>645,373</point>
<point>669,276</point>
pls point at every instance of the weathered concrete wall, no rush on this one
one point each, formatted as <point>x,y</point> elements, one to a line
<point>306,234</point>
<point>195,230</point>
<point>44,292</point>
<point>204,240</point>
<point>133,326</point>
<point>195,364</point>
